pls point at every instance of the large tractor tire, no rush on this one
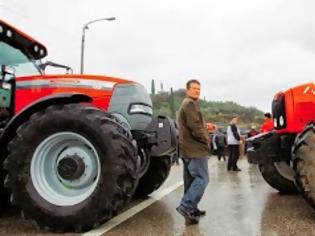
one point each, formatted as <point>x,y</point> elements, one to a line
<point>155,176</point>
<point>304,153</point>
<point>71,167</point>
<point>271,174</point>
<point>4,193</point>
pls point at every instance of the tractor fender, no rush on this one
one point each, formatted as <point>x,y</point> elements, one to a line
<point>285,170</point>
<point>122,119</point>
<point>10,129</point>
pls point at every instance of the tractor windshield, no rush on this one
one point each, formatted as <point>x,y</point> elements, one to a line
<point>23,65</point>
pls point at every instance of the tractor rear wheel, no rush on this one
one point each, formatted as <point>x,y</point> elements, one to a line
<point>271,174</point>
<point>155,176</point>
<point>71,167</point>
<point>304,153</point>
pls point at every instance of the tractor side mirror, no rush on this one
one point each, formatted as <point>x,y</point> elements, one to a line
<point>53,64</point>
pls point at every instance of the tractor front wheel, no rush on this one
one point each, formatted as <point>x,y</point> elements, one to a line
<point>271,174</point>
<point>71,167</point>
<point>155,176</point>
<point>304,153</point>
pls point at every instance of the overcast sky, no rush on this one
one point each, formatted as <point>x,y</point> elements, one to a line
<point>242,51</point>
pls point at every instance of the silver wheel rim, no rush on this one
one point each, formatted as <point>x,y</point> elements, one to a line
<point>49,183</point>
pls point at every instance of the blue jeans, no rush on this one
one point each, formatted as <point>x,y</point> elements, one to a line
<point>198,175</point>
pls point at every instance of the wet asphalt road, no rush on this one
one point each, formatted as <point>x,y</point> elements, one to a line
<point>237,203</point>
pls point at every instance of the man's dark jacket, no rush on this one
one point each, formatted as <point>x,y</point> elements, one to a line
<point>193,136</point>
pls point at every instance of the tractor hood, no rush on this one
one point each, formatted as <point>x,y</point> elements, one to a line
<point>70,80</point>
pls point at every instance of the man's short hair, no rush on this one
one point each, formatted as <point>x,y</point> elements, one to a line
<point>192,81</point>
<point>268,115</point>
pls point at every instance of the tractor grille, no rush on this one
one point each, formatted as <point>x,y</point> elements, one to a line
<point>278,112</point>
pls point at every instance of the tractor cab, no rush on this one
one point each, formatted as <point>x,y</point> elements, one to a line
<point>7,85</point>
<point>20,55</point>
<point>23,53</point>
<point>20,50</point>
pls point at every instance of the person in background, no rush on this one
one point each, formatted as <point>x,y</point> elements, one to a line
<point>194,151</point>
<point>233,141</point>
<point>219,144</point>
<point>252,132</point>
<point>267,125</point>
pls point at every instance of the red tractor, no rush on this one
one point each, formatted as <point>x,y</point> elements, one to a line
<point>75,148</point>
<point>286,156</point>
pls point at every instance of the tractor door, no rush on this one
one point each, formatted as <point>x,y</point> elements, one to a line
<point>7,88</point>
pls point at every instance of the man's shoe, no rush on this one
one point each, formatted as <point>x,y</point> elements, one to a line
<point>188,215</point>
<point>189,221</point>
<point>237,169</point>
<point>200,213</point>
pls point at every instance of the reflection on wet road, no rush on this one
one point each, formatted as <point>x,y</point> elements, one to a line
<point>237,203</point>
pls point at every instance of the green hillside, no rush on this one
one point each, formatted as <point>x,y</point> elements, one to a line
<point>217,112</point>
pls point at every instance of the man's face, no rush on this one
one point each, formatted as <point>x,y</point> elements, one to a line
<point>193,91</point>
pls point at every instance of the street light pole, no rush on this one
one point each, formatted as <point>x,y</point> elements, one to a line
<point>85,27</point>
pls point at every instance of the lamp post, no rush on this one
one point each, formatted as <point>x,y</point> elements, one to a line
<point>85,27</point>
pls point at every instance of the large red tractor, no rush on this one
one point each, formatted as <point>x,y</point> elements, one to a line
<point>74,148</point>
<point>286,156</point>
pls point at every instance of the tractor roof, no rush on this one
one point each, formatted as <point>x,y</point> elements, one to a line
<point>22,41</point>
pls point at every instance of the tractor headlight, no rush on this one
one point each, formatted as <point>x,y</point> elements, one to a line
<point>275,123</point>
<point>281,121</point>
<point>140,109</point>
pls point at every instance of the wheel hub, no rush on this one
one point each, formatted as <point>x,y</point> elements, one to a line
<point>71,167</point>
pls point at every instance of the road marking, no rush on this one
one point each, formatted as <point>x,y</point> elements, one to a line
<point>132,211</point>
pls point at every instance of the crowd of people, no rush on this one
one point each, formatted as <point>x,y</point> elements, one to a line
<point>227,143</point>
<point>196,145</point>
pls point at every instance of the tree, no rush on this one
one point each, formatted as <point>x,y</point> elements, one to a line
<point>172,104</point>
<point>219,112</point>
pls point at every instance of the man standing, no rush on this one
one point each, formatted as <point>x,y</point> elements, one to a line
<point>233,140</point>
<point>219,144</point>
<point>268,124</point>
<point>194,149</point>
